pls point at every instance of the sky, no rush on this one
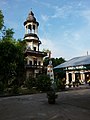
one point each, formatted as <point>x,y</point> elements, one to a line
<point>64,25</point>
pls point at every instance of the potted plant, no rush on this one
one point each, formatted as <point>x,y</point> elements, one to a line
<point>51,95</point>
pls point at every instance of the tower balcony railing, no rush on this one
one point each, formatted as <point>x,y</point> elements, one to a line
<point>31,34</point>
<point>35,52</point>
<point>34,66</point>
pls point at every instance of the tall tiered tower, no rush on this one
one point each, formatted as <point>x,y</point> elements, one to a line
<point>34,57</point>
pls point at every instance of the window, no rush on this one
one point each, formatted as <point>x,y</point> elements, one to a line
<point>34,27</point>
<point>35,62</point>
<point>30,62</point>
<point>34,48</point>
<point>29,47</point>
<point>39,63</point>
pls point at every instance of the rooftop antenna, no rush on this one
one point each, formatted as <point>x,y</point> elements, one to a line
<point>31,10</point>
<point>87,52</point>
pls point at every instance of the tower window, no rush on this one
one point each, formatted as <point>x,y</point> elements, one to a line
<point>35,62</point>
<point>29,27</point>
<point>30,62</point>
<point>34,48</point>
<point>34,27</point>
<point>39,63</point>
<point>29,47</point>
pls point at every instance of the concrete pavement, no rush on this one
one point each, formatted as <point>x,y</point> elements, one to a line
<point>70,105</point>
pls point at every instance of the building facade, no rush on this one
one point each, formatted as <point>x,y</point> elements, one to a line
<point>79,74</point>
<point>34,57</point>
<point>77,70</point>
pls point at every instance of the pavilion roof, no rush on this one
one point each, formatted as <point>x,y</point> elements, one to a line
<point>76,61</point>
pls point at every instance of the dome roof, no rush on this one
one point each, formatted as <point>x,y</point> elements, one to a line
<point>31,17</point>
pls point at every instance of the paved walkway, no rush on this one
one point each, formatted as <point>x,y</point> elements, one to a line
<point>70,105</point>
<point>84,86</point>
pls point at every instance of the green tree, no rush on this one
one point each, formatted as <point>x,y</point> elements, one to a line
<point>11,57</point>
<point>8,55</point>
<point>8,34</point>
<point>11,63</point>
<point>20,45</point>
<point>55,61</point>
<point>1,20</point>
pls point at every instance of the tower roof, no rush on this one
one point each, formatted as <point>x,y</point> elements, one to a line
<point>31,18</point>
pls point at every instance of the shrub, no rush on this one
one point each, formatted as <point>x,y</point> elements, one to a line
<point>30,83</point>
<point>43,83</point>
<point>51,95</point>
<point>60,84</point>
<point>14,89</point>
<point>1,87</point>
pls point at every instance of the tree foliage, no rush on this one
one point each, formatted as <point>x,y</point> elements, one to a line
<point>11,58</point>
<point>11,62</point>
<point>55,61</point>
<point>1,20</point>
<point>8,34</point>
<point>31,82</point>
<point>43,83</point>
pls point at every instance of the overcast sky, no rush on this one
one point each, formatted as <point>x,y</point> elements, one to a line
<point>64,25</point>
